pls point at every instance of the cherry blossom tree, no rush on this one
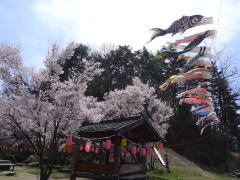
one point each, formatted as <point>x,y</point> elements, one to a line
<point>43,110</point>
<point>40,107</point>
<point>129,101</point>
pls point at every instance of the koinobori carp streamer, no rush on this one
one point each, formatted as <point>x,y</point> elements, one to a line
<point>181,25</point>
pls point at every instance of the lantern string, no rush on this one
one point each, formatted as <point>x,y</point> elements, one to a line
<point>102,138</point>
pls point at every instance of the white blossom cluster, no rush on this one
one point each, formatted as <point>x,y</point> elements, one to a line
<point>45,110</point>
<point>129,102</point>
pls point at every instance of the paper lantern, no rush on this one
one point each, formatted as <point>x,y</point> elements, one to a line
<point>87,147</point>
<point>81,148</point>
<point>69,141</point>
<point>143,151</point>
<point>124,150</point>
<point>108,144</point>
<point>134,150</point>
<point>149,151</point>
<point>100,146</point>
<point>161,146</point>
<point>97,150</point>
<point>92,149</point>
<point>65,149</point>
<point>124,142</point>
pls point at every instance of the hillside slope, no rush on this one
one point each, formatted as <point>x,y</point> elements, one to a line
<point>183,169</point>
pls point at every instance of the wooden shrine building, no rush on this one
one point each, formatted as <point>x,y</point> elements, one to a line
<point>111,164</point>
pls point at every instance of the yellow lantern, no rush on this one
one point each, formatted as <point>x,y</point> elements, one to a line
<point>158,146</point>
<point>65,149</point>
<point>124,142</point>
<point>92,149</point>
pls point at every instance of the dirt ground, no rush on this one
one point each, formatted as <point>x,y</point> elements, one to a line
<point>23,173</point>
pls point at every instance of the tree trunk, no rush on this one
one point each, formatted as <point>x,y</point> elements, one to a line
<point>74,159</point>
<point>226,163</point>
<point>45,171</point>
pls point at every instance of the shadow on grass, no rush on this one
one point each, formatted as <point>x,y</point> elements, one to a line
<point>156,173</point>
<point>157,178</point>
<point>216,169</point>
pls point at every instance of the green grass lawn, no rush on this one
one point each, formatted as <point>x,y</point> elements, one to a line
<point>183,169</point>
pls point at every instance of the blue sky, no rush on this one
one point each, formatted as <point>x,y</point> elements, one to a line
<point>21,25</point>
<point>36,24</point>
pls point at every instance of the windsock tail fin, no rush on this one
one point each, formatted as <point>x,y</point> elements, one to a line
<point>157,32</point>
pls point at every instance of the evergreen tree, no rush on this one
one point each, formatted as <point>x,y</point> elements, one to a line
<point>225,103</point>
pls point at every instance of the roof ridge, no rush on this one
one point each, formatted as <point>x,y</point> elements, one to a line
<point>115,120</point>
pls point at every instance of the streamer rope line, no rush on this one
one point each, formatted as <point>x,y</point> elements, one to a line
<point>194,140</point>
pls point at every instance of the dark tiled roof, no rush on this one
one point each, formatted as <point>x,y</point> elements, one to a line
<point>110,126</point>
<point>105,126</point>
<point>139,124</point>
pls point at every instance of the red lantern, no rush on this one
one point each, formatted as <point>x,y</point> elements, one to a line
<point>134,150</point>
<point>81,148</point>
<point>87,147</point>
<point>97,150</point>
<point>69,141</point>
<point>161,146</point>
<point>100,146</point>
<point>108,144</point>
<point>124,150</point>
<point>149,151</point>
<point>143,151</point>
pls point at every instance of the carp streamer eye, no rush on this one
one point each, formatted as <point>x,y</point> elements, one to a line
<point>194,20</point>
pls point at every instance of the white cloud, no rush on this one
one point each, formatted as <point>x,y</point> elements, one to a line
<point>127,22</point>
